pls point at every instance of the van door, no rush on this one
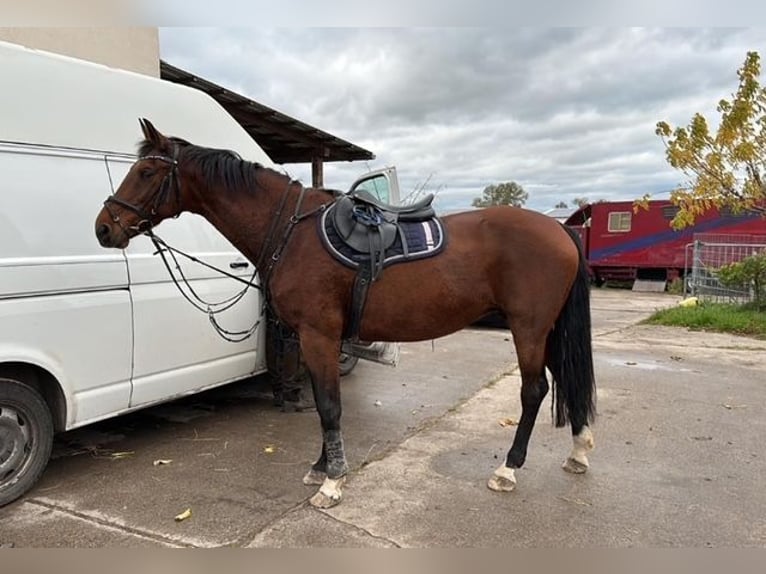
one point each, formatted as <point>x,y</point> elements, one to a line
<point>176,349</point>
<point>382,184</point>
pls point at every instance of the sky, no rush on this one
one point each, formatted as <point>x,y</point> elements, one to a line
<point>564,112</point>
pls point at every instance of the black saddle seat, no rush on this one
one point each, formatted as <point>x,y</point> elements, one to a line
<point>418,211</point>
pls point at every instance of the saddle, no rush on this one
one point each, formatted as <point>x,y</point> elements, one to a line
<point>367,235</point>
<point>370,226</point>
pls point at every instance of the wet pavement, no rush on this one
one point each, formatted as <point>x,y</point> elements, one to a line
<point>679,455</point>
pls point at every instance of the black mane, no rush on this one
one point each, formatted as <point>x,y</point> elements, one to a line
<point>224,167</point>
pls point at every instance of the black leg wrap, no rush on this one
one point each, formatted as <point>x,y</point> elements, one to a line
<point>321,464</point>
<point>336,457</point>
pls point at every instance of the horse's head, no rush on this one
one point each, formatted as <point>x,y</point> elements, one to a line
<point>149,193</point>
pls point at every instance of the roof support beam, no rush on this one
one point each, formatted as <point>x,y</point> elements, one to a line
<point>317,171</point>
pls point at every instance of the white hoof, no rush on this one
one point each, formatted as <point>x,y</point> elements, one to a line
<point>314,478</point>
<point>577,462</point>
<point>503,480</point>
<point>575,466</point>
<point>329,494</point>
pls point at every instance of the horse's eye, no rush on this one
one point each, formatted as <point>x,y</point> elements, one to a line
<point>146,173</point>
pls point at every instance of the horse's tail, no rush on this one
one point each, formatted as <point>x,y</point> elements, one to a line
<point>569,353</point>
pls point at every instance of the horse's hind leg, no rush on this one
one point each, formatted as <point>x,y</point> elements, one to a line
<point>534,387</point>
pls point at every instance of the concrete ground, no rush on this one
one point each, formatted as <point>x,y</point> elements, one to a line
<point>679,456</point>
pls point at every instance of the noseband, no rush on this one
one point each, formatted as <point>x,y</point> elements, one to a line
<point>169,182</point>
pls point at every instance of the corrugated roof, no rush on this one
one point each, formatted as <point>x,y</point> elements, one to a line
<point>284,139</point>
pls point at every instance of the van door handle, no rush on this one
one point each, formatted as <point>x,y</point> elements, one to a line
<point>239,264</point>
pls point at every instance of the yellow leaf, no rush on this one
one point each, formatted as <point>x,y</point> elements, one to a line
<point>184,515</point>
<point>269,449</point>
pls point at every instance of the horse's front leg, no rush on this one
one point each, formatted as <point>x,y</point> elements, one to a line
<point>321,353</point>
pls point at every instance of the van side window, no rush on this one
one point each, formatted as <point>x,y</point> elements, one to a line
<point>619,221</point>
<point>377,186</point>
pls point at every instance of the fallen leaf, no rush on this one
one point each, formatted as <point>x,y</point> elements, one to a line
<point>183,516</point>
<point>676,358</point>
<point>630,363</point>
<point>378,404</point>
<point>270,449</point>
<point>508,422</point>
<point>161,461</point>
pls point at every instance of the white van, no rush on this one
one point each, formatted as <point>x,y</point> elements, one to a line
<point>88,333</point>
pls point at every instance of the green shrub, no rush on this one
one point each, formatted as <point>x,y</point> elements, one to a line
<point>746,274</point>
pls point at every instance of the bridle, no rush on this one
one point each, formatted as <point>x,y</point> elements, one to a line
<point>171,182</point>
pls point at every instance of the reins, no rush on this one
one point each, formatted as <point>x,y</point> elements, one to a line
<point>214,308</point>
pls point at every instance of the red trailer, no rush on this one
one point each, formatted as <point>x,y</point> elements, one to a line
<point>623,244</point>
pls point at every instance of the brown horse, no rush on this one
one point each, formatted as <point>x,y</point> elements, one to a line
<point>520,263</point>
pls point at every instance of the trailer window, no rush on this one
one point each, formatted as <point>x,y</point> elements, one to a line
<point>670,211</point>
<point>619,221</point>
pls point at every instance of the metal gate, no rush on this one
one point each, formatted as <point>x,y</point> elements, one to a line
<point>707,254</point>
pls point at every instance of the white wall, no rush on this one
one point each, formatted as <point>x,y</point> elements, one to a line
<point>135,49</point>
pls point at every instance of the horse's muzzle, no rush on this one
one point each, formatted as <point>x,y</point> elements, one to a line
<point>104,235</point>
<point>107,238</point>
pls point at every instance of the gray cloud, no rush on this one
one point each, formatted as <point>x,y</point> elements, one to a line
<point>564,112</point>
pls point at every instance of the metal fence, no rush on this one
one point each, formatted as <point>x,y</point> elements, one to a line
<point>708,253</point>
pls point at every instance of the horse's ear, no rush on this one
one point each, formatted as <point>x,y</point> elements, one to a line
<point>152,135</point>
<point>150,132</point>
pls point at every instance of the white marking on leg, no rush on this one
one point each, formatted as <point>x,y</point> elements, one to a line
<point>577,462</point>
<point>329,494</point>
<point>503,479</point>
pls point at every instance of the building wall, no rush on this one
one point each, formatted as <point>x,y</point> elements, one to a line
<point>135,49</point>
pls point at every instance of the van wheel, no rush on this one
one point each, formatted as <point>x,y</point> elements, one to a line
<point>347,363</point>
<point>26,438</point>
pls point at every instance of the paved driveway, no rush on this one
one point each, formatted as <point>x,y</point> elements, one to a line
<point>679,456</point>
